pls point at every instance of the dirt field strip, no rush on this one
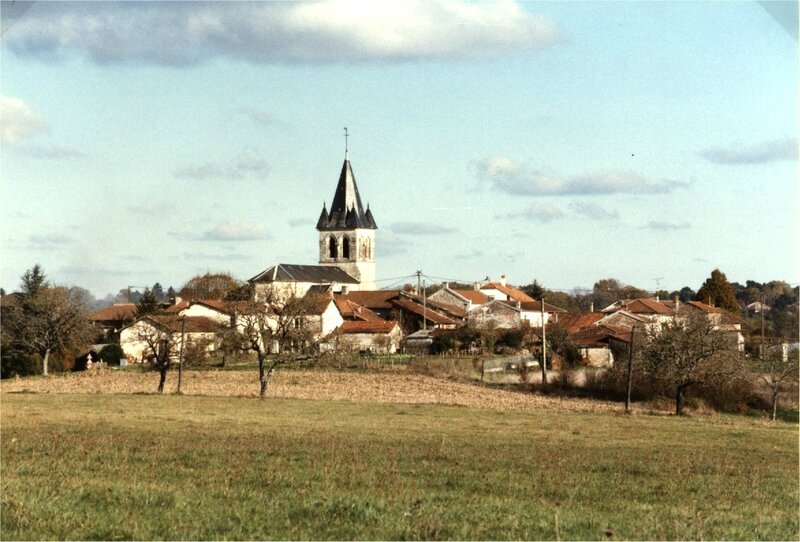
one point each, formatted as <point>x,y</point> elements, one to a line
<point>303,384</point>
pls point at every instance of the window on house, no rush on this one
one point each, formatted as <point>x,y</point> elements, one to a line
<point>333,248</point>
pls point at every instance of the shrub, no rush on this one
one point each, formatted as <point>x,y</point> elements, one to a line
<point>195,353</point>
<point>446,342</point>
<point>18,363</point>
<point>111,354</point>
<point>512,339</point>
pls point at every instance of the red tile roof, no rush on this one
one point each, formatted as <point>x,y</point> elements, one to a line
<point>600,335</point>
<point>382,326</point>
<point>352,310</point>
<point>194,324</point>
<point>117,312</point>
<point>449,310</point>
<point>178,307</point>
<point>705,307</point>
<point>474,296</point>
<point>216,304</point>
<point>428,313</point>
<point>318,303</point>
<point>510,291</point>
<point>646,306</point>
<point>373,299</point>
<point>576,321</point>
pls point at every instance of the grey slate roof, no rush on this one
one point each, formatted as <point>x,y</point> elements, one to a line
<point>319,274</point>
<point>346,212</point>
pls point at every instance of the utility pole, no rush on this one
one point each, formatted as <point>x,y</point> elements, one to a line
<point>763,349</point>
<point>180,357</point>
<point>544,346</point>
<point>630,373</point>
<point>424,308</point>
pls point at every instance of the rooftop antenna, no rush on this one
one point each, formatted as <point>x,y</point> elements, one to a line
<point>346,135</point>
<point>658,286</point>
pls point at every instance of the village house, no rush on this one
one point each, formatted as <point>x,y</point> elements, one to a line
<point>502,291</point>
<point>110,320</point>
<point>196,330</point>
<point>219,311</point>
<point>379,337</point>
<point>511,314</point>
<point>466,299</point>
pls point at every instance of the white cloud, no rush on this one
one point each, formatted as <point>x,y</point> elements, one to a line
<point>420,228</point>
<point>53,152</point>
<point>245,166</point>
<point>474,254</point>
<point>186,33</point>
<point>18,121</point>
<point>777,150</point>
<point>258,116</point>
<point>49,241</point>
<point>389,245</point>
<point>236,231</point>
<point>593,211</point>
<point>666,226</point>
<point>539,212</point>
<point>513,178</point>
<point>151,208</point>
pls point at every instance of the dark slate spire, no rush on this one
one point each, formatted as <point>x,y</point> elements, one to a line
<point>346,209</point>
<point>323,218</point>
<point>370,220</point>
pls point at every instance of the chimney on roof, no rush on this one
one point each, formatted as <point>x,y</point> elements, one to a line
<point>676,303</point>
<point>591,306</point>
<point>476,286</point>
<point>502,280</point>
<point>518,304</point>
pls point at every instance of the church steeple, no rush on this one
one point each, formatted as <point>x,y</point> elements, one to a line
<point>346,208</point>
<point>347,231</point>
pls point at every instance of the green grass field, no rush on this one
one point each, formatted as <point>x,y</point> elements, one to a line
<point>170,467</point>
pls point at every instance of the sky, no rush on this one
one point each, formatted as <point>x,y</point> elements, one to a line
<point>559,141</point>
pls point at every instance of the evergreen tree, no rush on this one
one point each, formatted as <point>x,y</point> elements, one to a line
<point>717,291</point>
<point>148,303</point>
<point>535,290</point>
<point>158,291</point>
<point>33,281</point>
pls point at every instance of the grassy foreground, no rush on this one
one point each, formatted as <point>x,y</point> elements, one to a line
<point>149,467</point>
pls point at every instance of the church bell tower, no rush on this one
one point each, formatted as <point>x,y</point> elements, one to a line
<point>347,231</point>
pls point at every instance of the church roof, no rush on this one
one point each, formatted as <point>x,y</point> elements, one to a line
<point>286,272</point>
<point>346,210</point>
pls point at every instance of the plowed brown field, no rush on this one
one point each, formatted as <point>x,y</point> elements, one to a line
<point>383,387</point>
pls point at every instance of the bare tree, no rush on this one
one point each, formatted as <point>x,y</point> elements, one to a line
<point>687,351</point>
<point>779,373</point>
<point>161,346</point>
<point>45,319</point>
<point>279,334</point>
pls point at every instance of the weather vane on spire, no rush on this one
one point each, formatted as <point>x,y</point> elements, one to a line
<point>346,135</point>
